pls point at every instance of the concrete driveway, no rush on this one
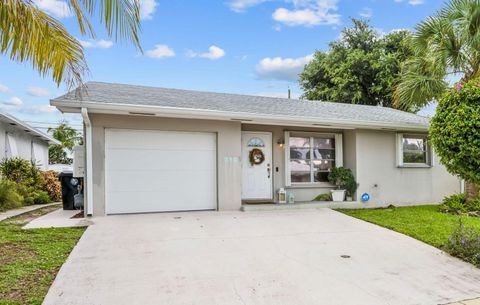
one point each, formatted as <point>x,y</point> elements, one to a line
<point>274,258</point>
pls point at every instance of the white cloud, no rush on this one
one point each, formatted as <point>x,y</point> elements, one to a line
<point>38,91</point>
<point>56,8</point>
<point>3,88</point>
<point>308,13</point>
<point>14,101</point>
<point>36,109</point>
<point>213,53</point>
<point>366,12</point>
<point>282,68</point>
<point>102,44</point>
<point>240,6</point>
<point>160,51</point>
<point>412,2</point>
<point>147,9</point>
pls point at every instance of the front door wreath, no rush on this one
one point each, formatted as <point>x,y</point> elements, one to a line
<point>256,156</point>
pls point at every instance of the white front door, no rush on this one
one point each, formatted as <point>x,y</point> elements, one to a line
<point>257,165</point>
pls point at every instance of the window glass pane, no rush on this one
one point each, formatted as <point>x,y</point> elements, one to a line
<point>300,176</point>
<point>299,142</point>
<point>323,165</point>
<point>414,149</point>
<point>413,156</point>
<point>320,176</point>
<point>299,153</point>
<point>324,142</point>
<point>255,142</point>
<point>323,154</point>
<point>299,165</point>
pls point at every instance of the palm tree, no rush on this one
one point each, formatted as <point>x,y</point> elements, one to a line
<point>28,34</point>
<point>444,44</point>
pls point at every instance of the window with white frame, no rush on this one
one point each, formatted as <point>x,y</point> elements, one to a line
<point>413,150</point>
<point>310,157</point>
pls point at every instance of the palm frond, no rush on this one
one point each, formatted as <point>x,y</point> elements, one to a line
<point>28,34</point>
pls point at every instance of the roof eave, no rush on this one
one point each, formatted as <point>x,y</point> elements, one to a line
<point>34,131</point>
<point>249,118</point>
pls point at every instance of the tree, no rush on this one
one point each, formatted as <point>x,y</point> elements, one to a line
<point>29,34</point>
<point>455,133</point>
<point>444,44</point>
<point>361,67</point>
<point>68,137</point>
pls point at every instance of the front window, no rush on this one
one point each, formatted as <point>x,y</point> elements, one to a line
<point>413,150</point>
<point>311,158</point>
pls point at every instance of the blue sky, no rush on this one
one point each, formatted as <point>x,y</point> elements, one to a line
<point>238,46</point>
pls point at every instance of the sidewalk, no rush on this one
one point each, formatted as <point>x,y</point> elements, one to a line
<point>16,212</point>
<point>58,219</point>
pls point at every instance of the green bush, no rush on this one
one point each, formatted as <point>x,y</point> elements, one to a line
<point>458,204</point>
<point>323,197</point>
<point>464,243</point>
<point>343,178</point>
<point>9,197</point>
<point>21,172</point>
<point>41,197</point>
<point>455,130</point>
<point>28,201</point>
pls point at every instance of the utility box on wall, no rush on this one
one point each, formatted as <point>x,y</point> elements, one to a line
<point>79,161</point>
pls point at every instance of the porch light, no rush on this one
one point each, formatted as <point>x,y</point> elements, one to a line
<point>280,143</point>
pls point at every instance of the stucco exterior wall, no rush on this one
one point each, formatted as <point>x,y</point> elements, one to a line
<point>24,144</point>
<point>228,152</point>
<point>379,176</point>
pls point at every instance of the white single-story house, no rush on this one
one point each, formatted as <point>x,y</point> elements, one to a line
<point>20,140</point>
<point>154,150</point>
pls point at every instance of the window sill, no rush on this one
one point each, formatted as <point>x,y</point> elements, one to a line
<point>310,185</point>
<point>412,165</point>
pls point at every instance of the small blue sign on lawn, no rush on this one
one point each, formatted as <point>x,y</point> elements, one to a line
<point>365,197</point>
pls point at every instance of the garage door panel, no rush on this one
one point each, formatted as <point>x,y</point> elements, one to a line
<point>145,203</point>
<point>151,181</point>
<point>157,171</point>
<point>163,140</point>
<point>159,160</point>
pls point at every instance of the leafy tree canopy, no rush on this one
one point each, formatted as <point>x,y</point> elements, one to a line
<point>68,137</point>
<point>361,67</point>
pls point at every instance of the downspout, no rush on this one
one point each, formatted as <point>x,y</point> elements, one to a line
<point>89,162</point>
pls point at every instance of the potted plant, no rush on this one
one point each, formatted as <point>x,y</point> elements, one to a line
<point>345,182</point>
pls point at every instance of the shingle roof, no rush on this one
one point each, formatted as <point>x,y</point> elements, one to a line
<point>121,94</point>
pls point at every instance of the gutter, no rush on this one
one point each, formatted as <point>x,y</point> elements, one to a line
<point>89,162</point>
<point>227,116</point>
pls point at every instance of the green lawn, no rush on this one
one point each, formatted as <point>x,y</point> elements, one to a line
<point>30,259</point>
<point>425,223</point>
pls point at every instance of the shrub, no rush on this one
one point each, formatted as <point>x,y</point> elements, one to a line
<point>52,185</point>
<point>21,172</point>
<point>9,197</point>
<point>323,197</point>
<point>455,130</point>
<point>41,197</point>
<point>458,204</point>
<point>464,243</point>
<point>343,178</point>
<point>28,200</point>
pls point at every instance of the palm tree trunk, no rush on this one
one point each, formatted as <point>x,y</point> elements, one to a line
<point>471,190</point>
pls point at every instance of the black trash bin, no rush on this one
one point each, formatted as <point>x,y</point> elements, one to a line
<point>69,189</point>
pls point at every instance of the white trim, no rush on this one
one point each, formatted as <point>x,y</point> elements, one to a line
<point>11,150</point>
<point>24,126</point>
<point>286,149</point>
<point>250,118</point>
<point>89,162</point>
<point>338,150</point>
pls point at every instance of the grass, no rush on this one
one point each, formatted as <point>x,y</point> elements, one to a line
<point>30,259</point>
<point>424,223</point>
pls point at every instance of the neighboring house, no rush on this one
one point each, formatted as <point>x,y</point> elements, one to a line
<point>20,140</point>
<point>154,150</point>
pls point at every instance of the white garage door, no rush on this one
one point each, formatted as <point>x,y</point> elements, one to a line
<point>158,171</point>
